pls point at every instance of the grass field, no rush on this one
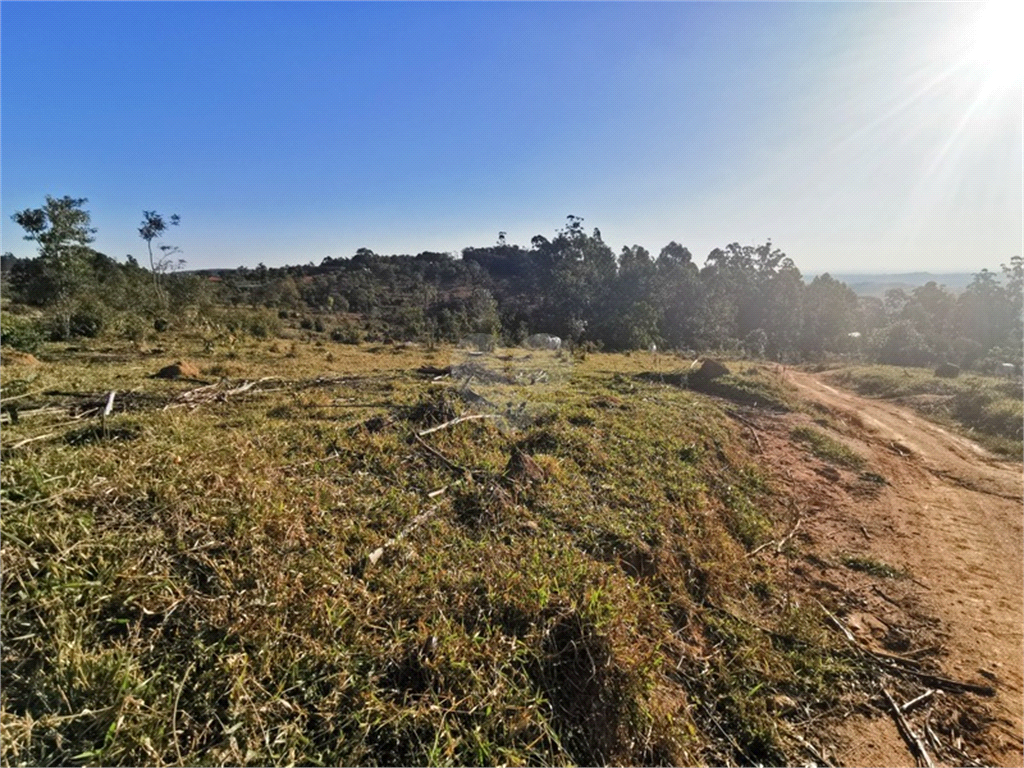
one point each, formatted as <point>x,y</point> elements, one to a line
<point>989,410</point>
<point>293,574</point>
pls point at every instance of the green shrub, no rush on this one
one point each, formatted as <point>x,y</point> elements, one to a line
<point>20,333</point>
<point>263,325</point>
<point>346,334</point>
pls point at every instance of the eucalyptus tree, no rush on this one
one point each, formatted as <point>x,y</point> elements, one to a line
<point>152,228</point>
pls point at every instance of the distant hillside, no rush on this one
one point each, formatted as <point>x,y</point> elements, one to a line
<point>877,285</point>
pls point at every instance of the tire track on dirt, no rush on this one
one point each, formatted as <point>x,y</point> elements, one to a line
<point>954,518</point>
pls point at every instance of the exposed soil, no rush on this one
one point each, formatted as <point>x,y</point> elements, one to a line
<point>945,517</point>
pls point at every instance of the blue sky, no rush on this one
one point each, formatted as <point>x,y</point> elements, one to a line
<point>857,136</point>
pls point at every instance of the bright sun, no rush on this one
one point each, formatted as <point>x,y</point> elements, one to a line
<point>998,47</point>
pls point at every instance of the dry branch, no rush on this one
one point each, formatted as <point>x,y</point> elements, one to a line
<point>110,403</point>
<point>954,686</point>
<point>440,456</point>
<point>917,700</point>
<point>421,518</point>
<point>750,426</point>
<point>917,748</point>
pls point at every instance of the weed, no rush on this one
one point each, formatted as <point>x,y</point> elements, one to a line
<point>873,567</point>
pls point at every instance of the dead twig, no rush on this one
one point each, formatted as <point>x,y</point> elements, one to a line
<point>813,751</point>
<point>954,686</point>
<point>750,426</point>
<point>421,518</point>
<point>28,440</point>
<point>174,712</point>
<point>779,543</point>
<point>884,596</point>
<point>6,400</point>
<point>917,748</point>
<point>917,700</point>
<point>441,457</point>
<point>453,422</point>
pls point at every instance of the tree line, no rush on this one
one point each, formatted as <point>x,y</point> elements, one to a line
<point>749,299</point>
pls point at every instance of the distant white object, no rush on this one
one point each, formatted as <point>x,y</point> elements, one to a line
<point>543,341</point>
<point>1007,370</point>
<point>654,348</point>
<point>854,335</point>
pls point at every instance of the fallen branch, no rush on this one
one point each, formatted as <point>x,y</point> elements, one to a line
<point>750,426</point>
<point>917,748</point>
<point>918,700</point>
<point>884,596</point>
<point>453,422</point>
<point>378,553</point>
<point>811,749</point>
<point>881,656</point>
<point>954,686</point>
<point>6,400</point>
<point>440,456</point>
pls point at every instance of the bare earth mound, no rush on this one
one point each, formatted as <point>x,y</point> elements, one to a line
<point>13,357</point>
<point>180,370</point>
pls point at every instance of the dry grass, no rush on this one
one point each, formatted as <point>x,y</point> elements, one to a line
<point>196,584</point>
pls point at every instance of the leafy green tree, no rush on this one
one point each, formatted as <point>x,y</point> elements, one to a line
<point>900,344</point>
<point>982,310</point>
<point>830,313</point>
<point>61,230</point>
<point>678,294</point>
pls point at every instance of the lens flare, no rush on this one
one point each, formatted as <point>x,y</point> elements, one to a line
<point>998,48</point>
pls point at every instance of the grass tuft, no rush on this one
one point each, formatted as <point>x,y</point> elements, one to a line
<point>827,448</point>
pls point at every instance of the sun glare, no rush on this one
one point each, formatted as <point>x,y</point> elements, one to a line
<point>998,47</point>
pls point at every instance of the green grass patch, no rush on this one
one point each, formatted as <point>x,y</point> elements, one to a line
<point>827,448</point>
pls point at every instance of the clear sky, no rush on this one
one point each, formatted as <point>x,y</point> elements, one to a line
<point>857,136</point>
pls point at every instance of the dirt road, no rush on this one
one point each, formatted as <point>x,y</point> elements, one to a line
<point>951,515</point>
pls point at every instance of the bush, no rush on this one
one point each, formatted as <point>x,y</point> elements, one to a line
<point>900,344</point>
<point>263,326</point>
<point>20,333</point>
<point>346,334</point>
<point>87,322</point>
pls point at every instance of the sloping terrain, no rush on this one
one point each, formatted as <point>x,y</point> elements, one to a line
<point>311,555</point>
<point>921,539</point>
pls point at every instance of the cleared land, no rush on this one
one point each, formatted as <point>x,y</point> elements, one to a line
<point>301,556</point>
